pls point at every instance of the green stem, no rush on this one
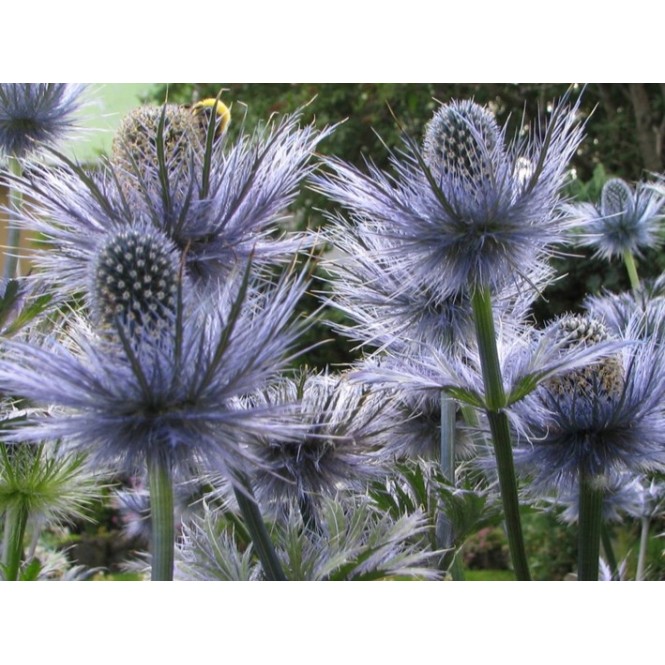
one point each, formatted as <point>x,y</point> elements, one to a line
<point>161,512</point>
<point>503,452</point>
<point>629,261</point>
<point>644,542</point>
<point>445,538</point>
<point>495,401</point>
<point>609,552</point>
<point>16,519</point>
<point>590,511</point>
<point>257,530</point>
<point>13,226</point>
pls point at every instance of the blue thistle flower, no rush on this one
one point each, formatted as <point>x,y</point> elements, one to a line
<point>625,221</point>
<point>597,420</point>
<point>641,310</point>
<point>218,204</point>
<point>343,428</point>
<point>135,395</point>
<point>34,114</point>
<point>471,210</point>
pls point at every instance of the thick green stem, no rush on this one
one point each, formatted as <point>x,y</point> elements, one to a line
<point>162,516</point>
<point>16,519</point>
<point>609,552</point>
<point>644,544</point>
<point>590,511</point>
<point>495,401</point>
<point>13,226</point>
<point>503,452</point>
<point>629,261</point>
<point>257,530</point>
<point>483,316</point>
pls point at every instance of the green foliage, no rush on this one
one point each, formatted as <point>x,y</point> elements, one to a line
<point>550,544</point>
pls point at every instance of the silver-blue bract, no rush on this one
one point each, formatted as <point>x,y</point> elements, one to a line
<point>602,419</point>
<point>343,429</point>
<point>642,309</point>
<point>471,209</point>
<point>35,114</point>
<point>124,399</point>
<point>626,220</point>
<point>219,204</point>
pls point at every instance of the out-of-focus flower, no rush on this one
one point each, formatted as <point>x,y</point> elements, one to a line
<point>626,220</point>
<point>642,310</point>
<point>343,429</point>
<point>470,210</point>
<point>218,203</point>
<point>50,483</point>
<point>36,114</point>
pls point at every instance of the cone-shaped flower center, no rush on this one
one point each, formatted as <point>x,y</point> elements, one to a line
<point>602,379</point>
<point>136,144</point>
<point>616,197</point>
<point>459,141</point>
<point>136,281</point>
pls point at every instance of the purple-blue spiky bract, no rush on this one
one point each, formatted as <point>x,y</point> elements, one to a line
<point>127,396</point>
<point>344,428</point>
<point>469,210</point>
<point>597,420</point>
<point>219,203</point>
<point>36,114</point>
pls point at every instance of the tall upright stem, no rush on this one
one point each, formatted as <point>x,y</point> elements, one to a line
<point>644,543</point>
<point>631,268</point>
<point>160,477</point>
<point>257,530</point>
<point>495,402</point>
<point>445,536</point>
<point>16,519</point>
<point>13,227</point>
<point>590,520</point>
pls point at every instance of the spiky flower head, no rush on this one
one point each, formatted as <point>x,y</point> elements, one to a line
<point>219,204</point>
<point>598,420</point>
<point>470,209</point>
<point>343,428</point>
<point>357,541</point>
<point>125,401</point>
<point>626,220</point>
<point>151,135</point>
<point>642,309</point>
<point>48,482</point>
<point>34,114</point>
<point>601,378</point>
<point>136,276</point>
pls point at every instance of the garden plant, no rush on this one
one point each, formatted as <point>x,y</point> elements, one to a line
<point>161,357</point>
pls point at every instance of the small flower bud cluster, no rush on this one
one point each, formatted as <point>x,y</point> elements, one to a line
<point>136,281</point>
